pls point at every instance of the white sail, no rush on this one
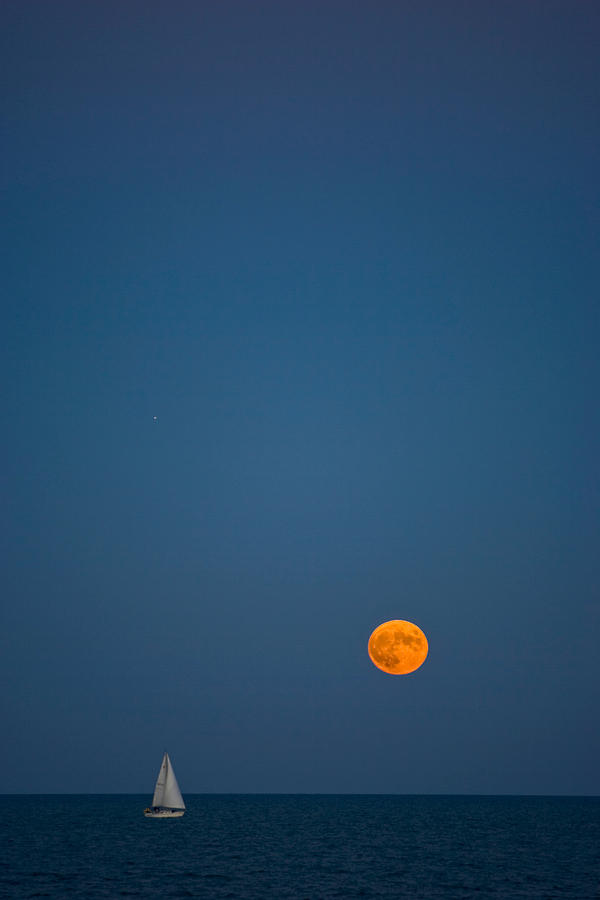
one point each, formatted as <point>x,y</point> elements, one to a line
<point>166,792</point>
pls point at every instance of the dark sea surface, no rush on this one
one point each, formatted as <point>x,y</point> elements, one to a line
<point>301,846</point>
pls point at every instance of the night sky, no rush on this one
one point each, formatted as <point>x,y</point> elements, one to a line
<point>347,255</point>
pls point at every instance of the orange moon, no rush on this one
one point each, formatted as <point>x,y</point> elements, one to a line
<point>398,647</point>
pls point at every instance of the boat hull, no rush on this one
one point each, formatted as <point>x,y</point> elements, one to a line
<point>163,813</point>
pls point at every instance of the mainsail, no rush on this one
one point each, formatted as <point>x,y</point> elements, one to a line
<point>166,792</point>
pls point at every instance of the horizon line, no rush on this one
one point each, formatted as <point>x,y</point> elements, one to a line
<point>290,794</point>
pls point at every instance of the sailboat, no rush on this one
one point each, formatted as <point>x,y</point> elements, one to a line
<point>167,802</point>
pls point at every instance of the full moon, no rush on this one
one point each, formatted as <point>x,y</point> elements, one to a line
<point>398,647</point>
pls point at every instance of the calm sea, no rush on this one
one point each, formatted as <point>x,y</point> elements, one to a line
<point>302,846</point>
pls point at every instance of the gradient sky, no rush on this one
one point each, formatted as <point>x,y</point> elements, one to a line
<point>347,254</point>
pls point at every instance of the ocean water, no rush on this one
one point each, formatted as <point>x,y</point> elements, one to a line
<point>302,846</point>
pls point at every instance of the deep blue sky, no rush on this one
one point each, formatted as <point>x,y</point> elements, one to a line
<point>347,254</point>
